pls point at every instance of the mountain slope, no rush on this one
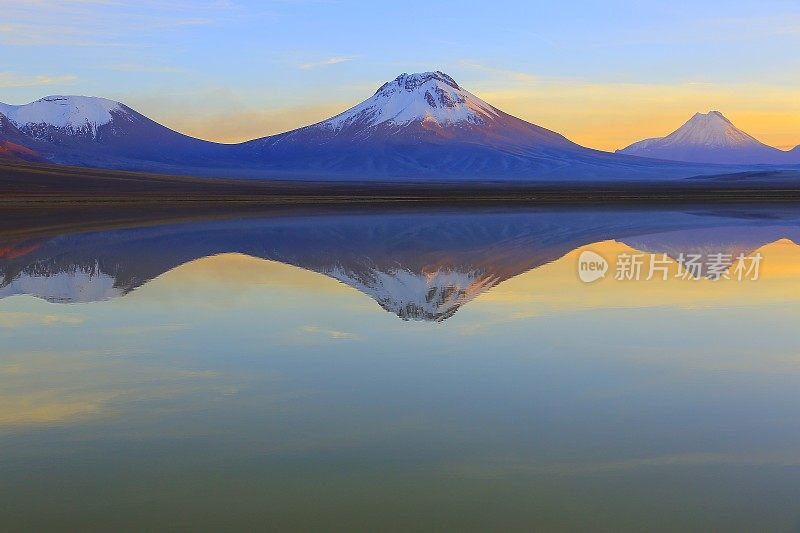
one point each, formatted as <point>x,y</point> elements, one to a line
<point>709,138</point>
<point>429,106</point>
<point>92,131</point>
<point>416,127</point>
<point>426,126</point>
<point>13,143</point>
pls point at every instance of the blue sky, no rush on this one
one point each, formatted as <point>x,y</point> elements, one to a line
<point>600,72</point>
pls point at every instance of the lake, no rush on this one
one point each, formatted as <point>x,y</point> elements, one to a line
<point>470,368</point>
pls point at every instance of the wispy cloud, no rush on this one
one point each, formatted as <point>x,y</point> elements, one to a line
<point>135,67</point>
<point>95,23</point>
<point>41,34</point>
<point>65,386</point>
<point>497,73</point>
<point>21,320</point>
<point>11,79</point>
<point>330,61</point>
<point>331,333</point>
<point>146,329</point>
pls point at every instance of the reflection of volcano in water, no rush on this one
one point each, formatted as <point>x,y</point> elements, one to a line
<point>728,242</point>
<point>418,265</point>
<point>79,284</point>
<point>418,296</point>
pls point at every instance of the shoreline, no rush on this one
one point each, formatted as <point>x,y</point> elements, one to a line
<point>42,185</point>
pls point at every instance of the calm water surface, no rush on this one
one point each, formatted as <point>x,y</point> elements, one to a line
<point>412,369</point>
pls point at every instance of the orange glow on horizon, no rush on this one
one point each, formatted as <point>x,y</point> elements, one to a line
<point>602,116</point>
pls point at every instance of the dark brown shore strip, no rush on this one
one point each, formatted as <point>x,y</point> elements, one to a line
<point>37,185</point>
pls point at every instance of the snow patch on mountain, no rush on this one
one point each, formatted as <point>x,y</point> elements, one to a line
<point>431,97</point>
<point>73,114</point>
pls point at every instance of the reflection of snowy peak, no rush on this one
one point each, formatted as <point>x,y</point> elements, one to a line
<point>706,241</point>
<point>711,245</point>
<point>418,265</point>
<point>427,296</point>
<point>73,286</point>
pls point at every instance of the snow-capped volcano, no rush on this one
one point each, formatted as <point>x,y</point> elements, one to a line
<point>429,97</point>
<point>76,115</point>
<point>709,138</point>
<point>416,108</point>
<point>91,131</point>
<point>426,125</point>
<point>712,129</point>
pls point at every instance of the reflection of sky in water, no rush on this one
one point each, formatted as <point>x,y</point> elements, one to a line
<point>235,391</point>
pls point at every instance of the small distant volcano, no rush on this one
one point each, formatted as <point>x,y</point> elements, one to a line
<point>711,138</point>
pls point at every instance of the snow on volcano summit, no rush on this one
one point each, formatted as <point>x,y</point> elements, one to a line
<point>71,114</point>
<point>428,97</point>
<point>97,132</point>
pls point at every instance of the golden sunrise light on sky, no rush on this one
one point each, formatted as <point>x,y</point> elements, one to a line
<point>606,117</point>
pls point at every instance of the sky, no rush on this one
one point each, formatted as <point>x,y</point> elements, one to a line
<point>603,73</point>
